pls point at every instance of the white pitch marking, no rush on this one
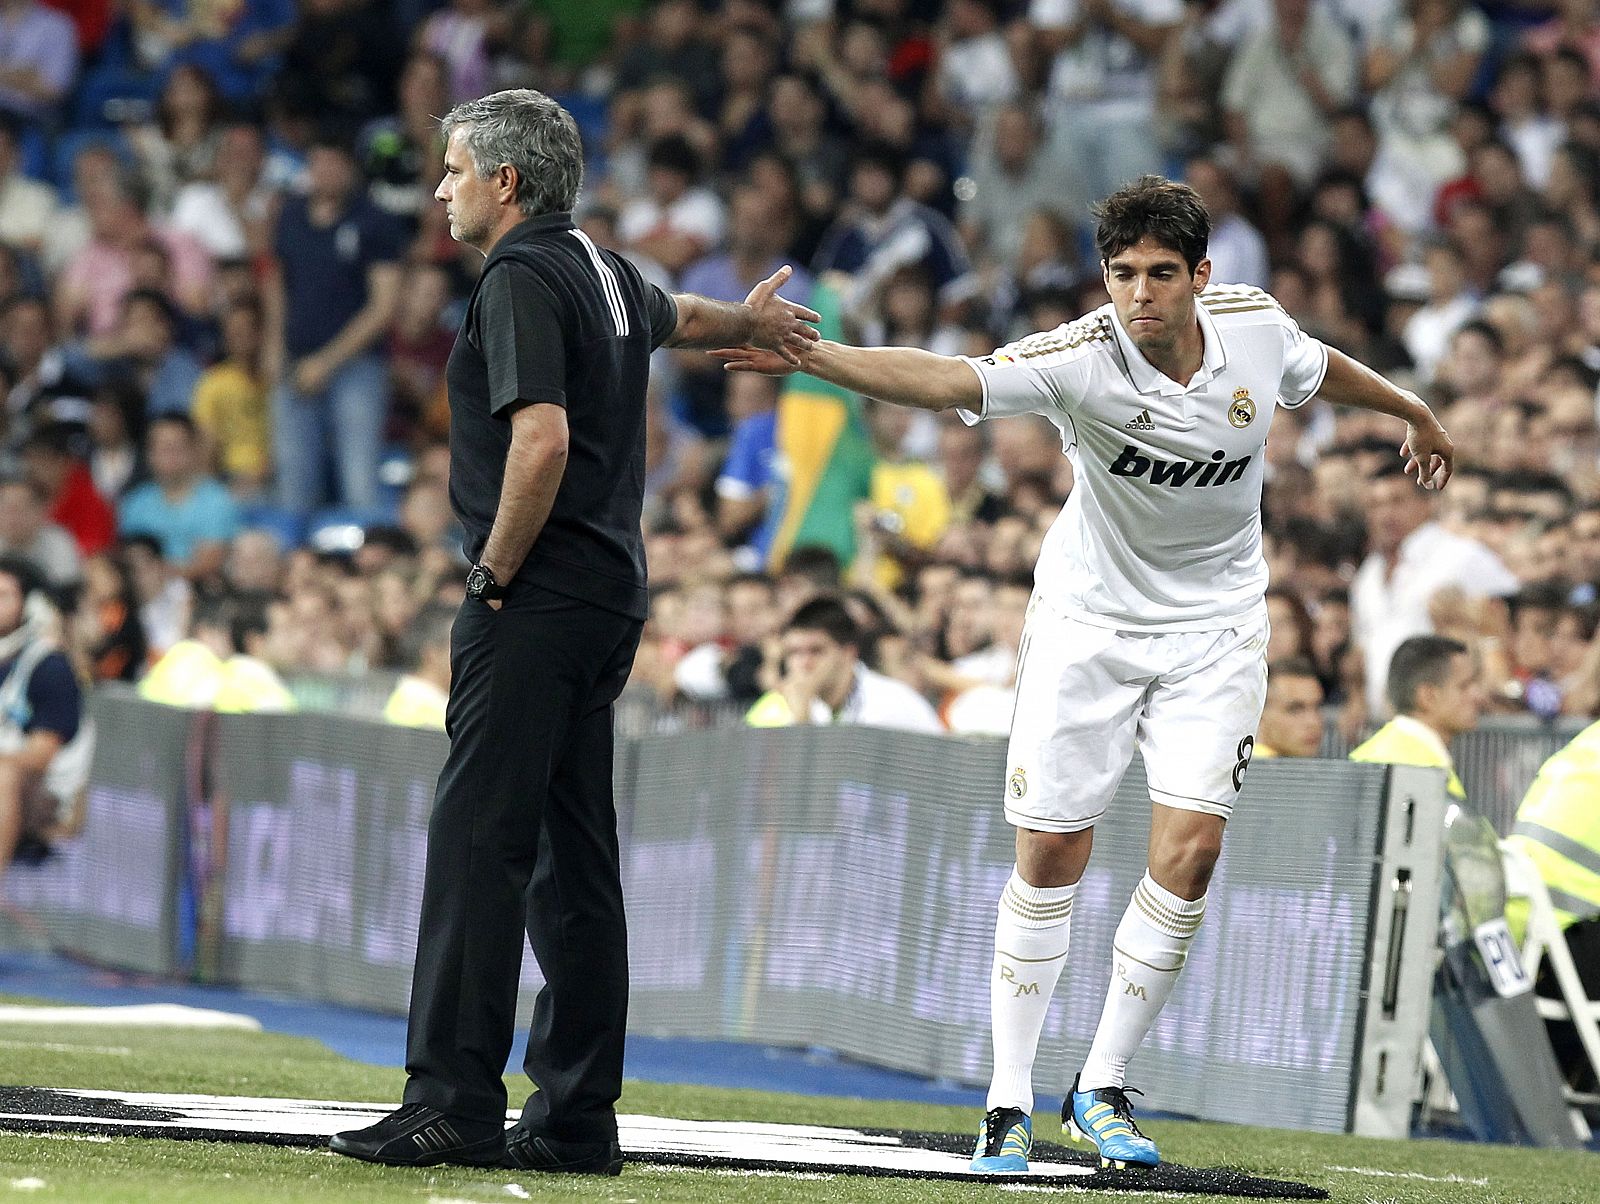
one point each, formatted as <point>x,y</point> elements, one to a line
<point>96,1138</point>
<point>28,1184</point>
<point>140,1015</point>
<point>518,1191</point>
<point>1056,1190</point>
<point>120,1051</point>
<point>1366,1170</point>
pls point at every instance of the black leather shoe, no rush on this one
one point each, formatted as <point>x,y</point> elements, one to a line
<point>527,1151</point>
<point>417,1135</point>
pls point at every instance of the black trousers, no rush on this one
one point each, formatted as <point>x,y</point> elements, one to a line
<point>524,837</point>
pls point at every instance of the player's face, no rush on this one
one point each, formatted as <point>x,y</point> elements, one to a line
<point>1291,722</point>
<point>1154,293</point>
<point>470,202</point>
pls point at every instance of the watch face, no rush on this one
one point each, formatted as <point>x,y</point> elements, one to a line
<point>477,580</point>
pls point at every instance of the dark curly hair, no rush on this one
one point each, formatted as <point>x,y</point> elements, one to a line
<point>1171,213</point>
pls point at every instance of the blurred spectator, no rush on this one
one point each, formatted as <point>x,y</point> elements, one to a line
<point>459,34</point>
<point>1450,306</point>
<point>1291,720</point>
<point>1281,89</point>
<point>1419,69</point>
<point>1102,87</point>
<point>419,697</point>
<point>190,512</point>
<point>1237,251</point>
<point>51,465</point>
<point>107,633</point>
<point>255,563</point>
<point>882,230</point>
<point>977,69</point>
<point>419,347</point>
<point>821,678</point>
<point>907,508</point>
<point>116,417</point>
<point>41,382</point>
<point>180,146</point>
<point>41,714</point>
<point>1434,692</point>
<point>401,153</point>
<point>93,284</point>
<point>235,44</point>
<point>328,308</point>
<point>678,219</point>
<point>27,206</point>
<point>26,533</point>
<point>230,404</point>
<point>1411,559</point>
<point>38,59</point>
<point>221,665</point>
<point>228,211</point>
<point>143,349</point>
<point>340,61</point>
<point>749,478</point>
<point>1575,26</point>
<point>672,46</point>
<point>962,451</point>
<point>1009,178</point>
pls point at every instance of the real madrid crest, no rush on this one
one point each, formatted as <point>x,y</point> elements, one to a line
<point>1018,784</point>
<point>1243,411</point>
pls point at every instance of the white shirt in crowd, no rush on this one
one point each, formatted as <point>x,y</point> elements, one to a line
<point>1102,67</point>
<point>879,701</point>
<point>1390,605</point>
<point>1162,530</point>
<point>1428,332</point>
<point>1238,252</point>
<point>697,213</point>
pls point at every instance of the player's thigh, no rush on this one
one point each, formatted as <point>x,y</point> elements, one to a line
<point>1200,722</point>
<point>1073,731</point>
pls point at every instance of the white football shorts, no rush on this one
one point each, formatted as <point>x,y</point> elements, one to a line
<point>1087,695</point>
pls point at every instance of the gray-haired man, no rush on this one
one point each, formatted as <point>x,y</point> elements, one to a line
<point>547,384</point>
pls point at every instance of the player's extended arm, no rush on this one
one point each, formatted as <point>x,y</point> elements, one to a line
<point>906,376</point>
<point>1430,454</point>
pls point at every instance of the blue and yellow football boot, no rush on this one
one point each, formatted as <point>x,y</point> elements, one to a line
<point>1004,1140</point>
<point>1105,1118</point>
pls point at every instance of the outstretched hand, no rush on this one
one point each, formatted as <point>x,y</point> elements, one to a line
<point>754,359</point>
<point>1430,454</point>
<point>781,326</point>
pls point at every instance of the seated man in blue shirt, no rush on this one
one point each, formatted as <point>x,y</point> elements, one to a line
<point>192,515</point>
<point>40,709</point>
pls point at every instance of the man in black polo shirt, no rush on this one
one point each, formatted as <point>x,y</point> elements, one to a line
<point>547,385</point>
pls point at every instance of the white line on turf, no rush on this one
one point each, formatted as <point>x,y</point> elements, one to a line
<point>92,1137</point>
<point>1056,1190</point>
<point>121,1051</point>
<point>1366,1170</point>
<point>28,1184</point>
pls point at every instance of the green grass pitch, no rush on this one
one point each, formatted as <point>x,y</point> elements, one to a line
<point>136,1170</point>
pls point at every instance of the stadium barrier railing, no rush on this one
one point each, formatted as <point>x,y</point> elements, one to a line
<point>826,887</point>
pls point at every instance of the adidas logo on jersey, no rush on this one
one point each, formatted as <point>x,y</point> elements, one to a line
<point>1140,423</point>
<point>1176,473</point>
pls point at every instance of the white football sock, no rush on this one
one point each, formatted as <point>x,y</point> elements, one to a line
<point>1149,949</point>
<point>1030,948</point>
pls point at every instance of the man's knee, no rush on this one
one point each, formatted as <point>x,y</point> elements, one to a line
<point>1052,858</point>
<point>1183,856</point>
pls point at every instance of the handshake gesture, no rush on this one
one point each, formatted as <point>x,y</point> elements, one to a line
<point>781,338</point>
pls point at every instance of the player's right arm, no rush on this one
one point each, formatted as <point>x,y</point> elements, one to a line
<point>906,376</point>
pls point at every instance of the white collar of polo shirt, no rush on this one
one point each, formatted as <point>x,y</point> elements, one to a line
<point>1147,378</point>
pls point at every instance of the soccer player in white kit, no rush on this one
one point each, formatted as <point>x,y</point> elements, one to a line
<point>1148,623</point>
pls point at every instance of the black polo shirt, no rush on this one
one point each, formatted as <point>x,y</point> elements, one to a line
<point>556,319</point>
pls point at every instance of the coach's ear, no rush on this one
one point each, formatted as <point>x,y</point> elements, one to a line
<point>1202,275</point>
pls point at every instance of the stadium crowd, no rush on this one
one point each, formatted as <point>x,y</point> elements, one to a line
<point>227,298</point>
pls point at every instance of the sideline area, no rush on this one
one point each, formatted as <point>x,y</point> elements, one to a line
<point>380,1040</point>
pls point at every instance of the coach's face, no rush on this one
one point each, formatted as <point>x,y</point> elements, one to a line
<point>472,202</point>
<point>1154,291</point>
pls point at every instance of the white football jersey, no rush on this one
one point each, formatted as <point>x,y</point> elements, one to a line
<point>1162,530</point>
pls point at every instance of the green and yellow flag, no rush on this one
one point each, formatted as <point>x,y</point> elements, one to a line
<point>824,456</point>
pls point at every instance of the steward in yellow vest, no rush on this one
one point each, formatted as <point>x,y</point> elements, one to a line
<point>1558,827</point>
<point>1434,690</point>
